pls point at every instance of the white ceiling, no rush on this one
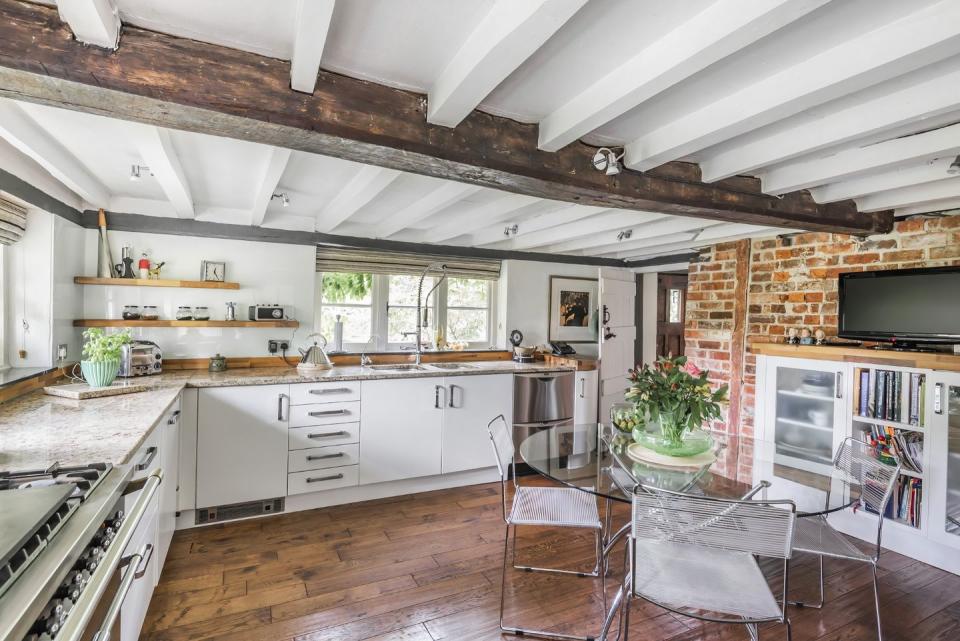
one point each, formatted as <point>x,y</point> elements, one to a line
<point>848,98</point>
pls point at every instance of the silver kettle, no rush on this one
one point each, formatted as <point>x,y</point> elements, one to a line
<point>314,357</point>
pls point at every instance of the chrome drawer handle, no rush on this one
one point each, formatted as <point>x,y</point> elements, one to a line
<point>328,413</point>
<point>331,390</point>
<point>320,457</point>
<point>328,434</point>
<point>317,479</point>
<point>147,458</point>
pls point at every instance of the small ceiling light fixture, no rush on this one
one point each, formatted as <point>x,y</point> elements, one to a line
<point>625,234</point>
<point>954,168</point>
<point>511,230</point>
<point>607,161</point>
<point>137,171</point>
<point>284,198</point>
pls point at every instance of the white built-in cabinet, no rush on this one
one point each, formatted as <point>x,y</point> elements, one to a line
<point>943,476</point>
<point>586,389</point>
<point>241,444</point>
<point>472,401</point>
<point>169,429</point>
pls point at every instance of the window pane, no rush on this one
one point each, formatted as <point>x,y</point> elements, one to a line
<point>673,315</point>
<point>351,288</point>
<point>356,322</point>
<point>403,319</point>
<point>403,289</point>
<point>466,325</point>
<point>467,292</point>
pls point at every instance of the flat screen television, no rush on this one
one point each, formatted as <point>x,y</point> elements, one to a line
<point>901,306</point>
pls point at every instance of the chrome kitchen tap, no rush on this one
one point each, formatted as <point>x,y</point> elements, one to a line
<point>421,303</point>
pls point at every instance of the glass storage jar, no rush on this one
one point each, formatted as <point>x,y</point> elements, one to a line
<point>131,312</point>
<point>184,313</point>
<point>201,313</point>
<point>150,312</point>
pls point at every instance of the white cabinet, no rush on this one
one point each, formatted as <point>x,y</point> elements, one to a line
<point>169,438</point>
<point>585,397</point>
<point>471,401</point>
<point>943,471</point>
<point>242,444</point>
<point>400,429</point>
<point>135,605</point>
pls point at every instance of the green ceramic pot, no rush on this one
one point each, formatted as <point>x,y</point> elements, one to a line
<point>100,373</point>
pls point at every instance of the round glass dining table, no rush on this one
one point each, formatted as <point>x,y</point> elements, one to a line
<point>593,458</point>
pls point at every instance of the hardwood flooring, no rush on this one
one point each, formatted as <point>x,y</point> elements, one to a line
<point>426,567</point>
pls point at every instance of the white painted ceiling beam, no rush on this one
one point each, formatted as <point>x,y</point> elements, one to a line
<point>93,22</point>
<point>24,133</point>
<point>441,196</point>
<point>723,233</point>
<point>509,33</point>
<point>913,104</point>
<point>706,235</point>
<point>951,205</point>
<point>921,38</point>
<point>605,221</point>
<point>273,168</point>
<point>310,34</point>
<point>495,233</point>
<point>479,217</point>
<point>587,244</point>
<point>157,152</point>
<point>366,185</point>
<point>903,177</point>
<point>911,196</point>
<point>723,28</point>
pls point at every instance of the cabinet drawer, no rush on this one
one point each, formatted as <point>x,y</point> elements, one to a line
<point>306,393</point>
<point>302,438</point>
<point>318,458</point>
<point>324,413</point>
<point>319,480</point>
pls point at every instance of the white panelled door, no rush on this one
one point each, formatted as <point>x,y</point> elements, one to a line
<point>618,332</point>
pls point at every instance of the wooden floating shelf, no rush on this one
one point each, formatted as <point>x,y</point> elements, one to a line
<point>161,282</point>
<point>117,322</point>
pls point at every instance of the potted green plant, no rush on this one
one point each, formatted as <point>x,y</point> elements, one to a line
<point>675,395</point>
<point>102,356</point>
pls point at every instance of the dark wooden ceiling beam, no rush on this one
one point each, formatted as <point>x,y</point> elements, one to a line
<point>189,85</point>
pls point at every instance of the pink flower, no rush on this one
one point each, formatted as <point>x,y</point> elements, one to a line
<point>692,369</point>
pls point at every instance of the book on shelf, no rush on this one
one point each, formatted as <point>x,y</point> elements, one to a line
<point>890,396</point>
<point>863,380</point>
<point>892,444</point>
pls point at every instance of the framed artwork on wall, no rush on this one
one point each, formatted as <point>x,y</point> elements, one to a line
<point>574,309</point>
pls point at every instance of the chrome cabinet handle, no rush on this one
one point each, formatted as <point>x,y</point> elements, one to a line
<point>174,417</point>
<point>327,434</point>
<point>330,390</point>
<point>328,413</point>
<point>938,398</point>
<point>838,385</point>
<point>450,402</point>
<point>148,457</point>
<point>321,457</point>
<point>583,387</point>
<point>437,390</point>
<point>280,406</point>
<point>141,568</point>
<point>317,479</point>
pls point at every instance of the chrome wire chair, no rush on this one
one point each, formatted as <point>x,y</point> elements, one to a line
<point>562,507</point>
<point>697,556</point>
<point>861,467</point>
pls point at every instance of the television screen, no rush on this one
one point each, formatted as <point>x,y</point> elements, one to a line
<point>903,305</point>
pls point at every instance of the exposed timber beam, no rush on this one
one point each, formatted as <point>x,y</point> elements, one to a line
<point>93,22</point>
<point>156,150</point>
<point>721,29</point>
<point>912,196</point>
<point>921,38</point>
<point>605,221</point>
<point>503,39</point>
<point>310,34</point>
<point>853,162</point>
<point>479,217</point>
<point>442,195</point>
<point>273,168</point>
<point>903,177</point>
<point>24,133</point>
<point>366,185</point>
<point>669,259</point>
<point>183,84</point>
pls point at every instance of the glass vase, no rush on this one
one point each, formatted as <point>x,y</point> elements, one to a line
<point>673,439</point>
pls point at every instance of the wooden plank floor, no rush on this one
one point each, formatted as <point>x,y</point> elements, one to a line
<point>426,567</point>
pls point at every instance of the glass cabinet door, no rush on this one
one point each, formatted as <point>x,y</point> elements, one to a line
<point>805,411</point>
<point>945,460</point>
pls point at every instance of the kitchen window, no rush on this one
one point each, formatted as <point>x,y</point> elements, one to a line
<point>379,311</point>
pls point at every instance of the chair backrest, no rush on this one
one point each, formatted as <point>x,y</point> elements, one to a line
<point>502,442</point>
<point>861,463</point>
<point>764,528</point>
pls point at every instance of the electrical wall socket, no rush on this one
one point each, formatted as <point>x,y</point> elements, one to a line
<point>62,352</point>
<point>281,345</point>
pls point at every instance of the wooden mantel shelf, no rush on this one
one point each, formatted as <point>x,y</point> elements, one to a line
<point>118,322</point>
<point>919,360</point>
<point>155,282</point>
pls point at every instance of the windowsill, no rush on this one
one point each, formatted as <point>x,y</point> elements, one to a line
<point>17,374</point>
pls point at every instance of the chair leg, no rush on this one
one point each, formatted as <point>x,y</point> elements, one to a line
<point>818,605</point>
<point>754,631</point>
<point>789,630</point>
<point>625,615</point>
<point>876,602</point>
<point>529,568</point>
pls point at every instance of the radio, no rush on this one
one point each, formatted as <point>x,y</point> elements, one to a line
<point>266,312</point>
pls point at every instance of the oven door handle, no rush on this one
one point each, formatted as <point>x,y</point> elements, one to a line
<point>134,572</point>
<point>83,610</point>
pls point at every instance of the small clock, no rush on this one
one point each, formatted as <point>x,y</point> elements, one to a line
<point>516,337</point>
<point>213,271</point>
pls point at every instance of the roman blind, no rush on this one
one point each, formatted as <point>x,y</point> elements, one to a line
<point>335,258</point>
<point>13,222</point>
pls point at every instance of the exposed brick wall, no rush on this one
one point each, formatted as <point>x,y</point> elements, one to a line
<point>792,282</point>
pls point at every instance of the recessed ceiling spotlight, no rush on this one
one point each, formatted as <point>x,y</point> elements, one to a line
<point>284,198</point>
<point>625,234</point>
<point>137,171</point>
<point>511,230</point>
<point>954,168</point>
<point>607,161</point>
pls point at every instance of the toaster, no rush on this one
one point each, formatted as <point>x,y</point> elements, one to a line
<point>140,358</point>
<point>265,312</point>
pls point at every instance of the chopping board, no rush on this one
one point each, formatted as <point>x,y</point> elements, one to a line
<point>82,391</point>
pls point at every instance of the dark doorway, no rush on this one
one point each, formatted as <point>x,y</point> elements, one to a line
<point>671,312</point>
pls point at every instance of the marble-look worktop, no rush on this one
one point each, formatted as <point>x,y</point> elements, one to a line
<point>37,429</point>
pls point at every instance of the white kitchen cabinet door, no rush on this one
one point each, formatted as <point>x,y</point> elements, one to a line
<point>472,401</point>
<point>942,479</point>
<point>585,397</point>
<point>400,423</point>
<point>135,605</point>
<point>170,459</point>
<point>242,444</point>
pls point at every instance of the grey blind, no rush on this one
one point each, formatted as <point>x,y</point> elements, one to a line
<point>13,222</point>
<point>332,258</point>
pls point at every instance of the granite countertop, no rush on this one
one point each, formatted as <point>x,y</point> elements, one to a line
<point>37,429</point>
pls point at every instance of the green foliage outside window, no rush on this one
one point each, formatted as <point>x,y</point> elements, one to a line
<point>341,287</point>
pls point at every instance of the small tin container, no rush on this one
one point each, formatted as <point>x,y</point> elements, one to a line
<point>218,363</point>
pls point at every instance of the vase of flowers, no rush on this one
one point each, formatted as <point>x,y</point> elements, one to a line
<point>675,397</point>
<point>102,352</point>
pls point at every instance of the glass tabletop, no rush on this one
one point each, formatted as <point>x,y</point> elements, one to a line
<point>594,458</point>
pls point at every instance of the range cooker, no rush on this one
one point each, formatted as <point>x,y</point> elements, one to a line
<point>64,570</point>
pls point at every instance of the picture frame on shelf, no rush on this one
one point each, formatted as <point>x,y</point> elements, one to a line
<point>574,309</point>
<point>213,271</point>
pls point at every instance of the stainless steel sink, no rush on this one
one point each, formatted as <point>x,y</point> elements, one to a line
<point>452,366</point>
<point>399,367</point>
